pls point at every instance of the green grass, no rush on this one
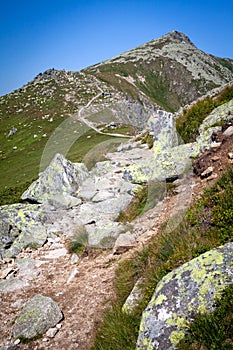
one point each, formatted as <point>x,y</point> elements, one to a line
<point>206,225</point>
<point>19,167</point>
<point>188,123</point>
<point>145,198</point>
<point>213,331</point>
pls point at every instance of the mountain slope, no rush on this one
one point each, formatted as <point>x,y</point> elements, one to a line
<point>165,73</point>
<point>171,71</point>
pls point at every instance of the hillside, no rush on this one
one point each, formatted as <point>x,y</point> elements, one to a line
<point>116,214</point>
<point>167,73</point>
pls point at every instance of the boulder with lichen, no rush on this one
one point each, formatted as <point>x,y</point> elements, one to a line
<point>181,294</point>
<point>58,184</point>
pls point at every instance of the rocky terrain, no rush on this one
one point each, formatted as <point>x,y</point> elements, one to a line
<point>53,298</point>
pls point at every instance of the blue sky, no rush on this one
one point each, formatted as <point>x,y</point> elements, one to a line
<point>72,34</point>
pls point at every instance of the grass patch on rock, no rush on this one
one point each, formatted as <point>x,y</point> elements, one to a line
<point>188,123</point>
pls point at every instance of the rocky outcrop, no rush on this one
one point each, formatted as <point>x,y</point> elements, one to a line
<point>171,159</point>
<point>187,290</point>
<point>72,197</point>
<point>21,227</point>
<point>58,184</point>
<point>38,315</point>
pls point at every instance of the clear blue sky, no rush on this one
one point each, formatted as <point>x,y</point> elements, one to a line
<point>72,34</point>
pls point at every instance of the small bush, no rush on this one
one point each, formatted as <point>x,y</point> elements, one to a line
<point>78,243</point>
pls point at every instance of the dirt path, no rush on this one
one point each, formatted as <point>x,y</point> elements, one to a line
<point>89,124</point>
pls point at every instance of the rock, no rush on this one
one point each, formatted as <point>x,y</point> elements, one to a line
<point>124,242</point>
<point>74,259</point>
<point>4,273</point>
<point>181,294</point>
<point>230,155</point>
<point>215,159</point>
<point>103,233</point>
<point>215,145</point>
<point>12,131</point>
<point>134,298</point>
<point>102,196</point>
<point>207,172</point>
<point>28,268</point>
<point>74,272</point>
<point>58,183</point>
<point>63,201</point>
<point>12,284</point>
<point>228,132</point>
<point>212,177</point>
<point>9,347</point>
<point>23,228</point>
<point>51,332</point>
<point>38,315</point>
<point>56,253</point>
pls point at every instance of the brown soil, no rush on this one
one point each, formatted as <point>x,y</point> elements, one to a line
<point>82,300</point>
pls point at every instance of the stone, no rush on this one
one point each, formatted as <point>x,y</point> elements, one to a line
<point>134,298</point>
<point>9,347</point>
<point>25,228</point>
<point>12,284</point>
<point>207,172</point>
<point>212,177</point>
<point>51,332</point>
<point>74,259</point>
<point>38,315</point>
<point>230,155</point>
<point>59,181</point>
<point>228,132</point>
<point>63,201</point>
<point>215,159</point>
<point>124,242</point>
<point>7,271</point>
<point>102,196</point>
<point>56,253</point>
<point>12,131</point>
<point>73,273</point>
<point>215,145</point>
<point>103,233</point>
<point>181,294</point>
<point>28,268</point>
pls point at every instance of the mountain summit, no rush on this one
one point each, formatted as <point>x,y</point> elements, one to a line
<point>171,71</point>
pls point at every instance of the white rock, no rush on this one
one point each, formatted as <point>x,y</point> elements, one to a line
<point>207,172</point>
<point>228,132</point>
<point>56,253</point>
<point>72,275</point>
<point>51,332</point>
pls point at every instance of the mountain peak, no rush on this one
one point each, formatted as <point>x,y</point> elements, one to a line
<point>177,36</point>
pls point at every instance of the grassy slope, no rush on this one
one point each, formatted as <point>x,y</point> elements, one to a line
<point>188,123</point>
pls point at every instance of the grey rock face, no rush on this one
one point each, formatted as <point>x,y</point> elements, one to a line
<point>9,347</point>
<point>38,315</point>
<point>61,178</point>
<point>182,293</point>
<point>21,227</point>
<point>12,284</point>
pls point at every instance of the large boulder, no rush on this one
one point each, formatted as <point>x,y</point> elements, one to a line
<point>21,227</point>
<point>181,294</point>
<point>58,184</point>
<point>38,315</point>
